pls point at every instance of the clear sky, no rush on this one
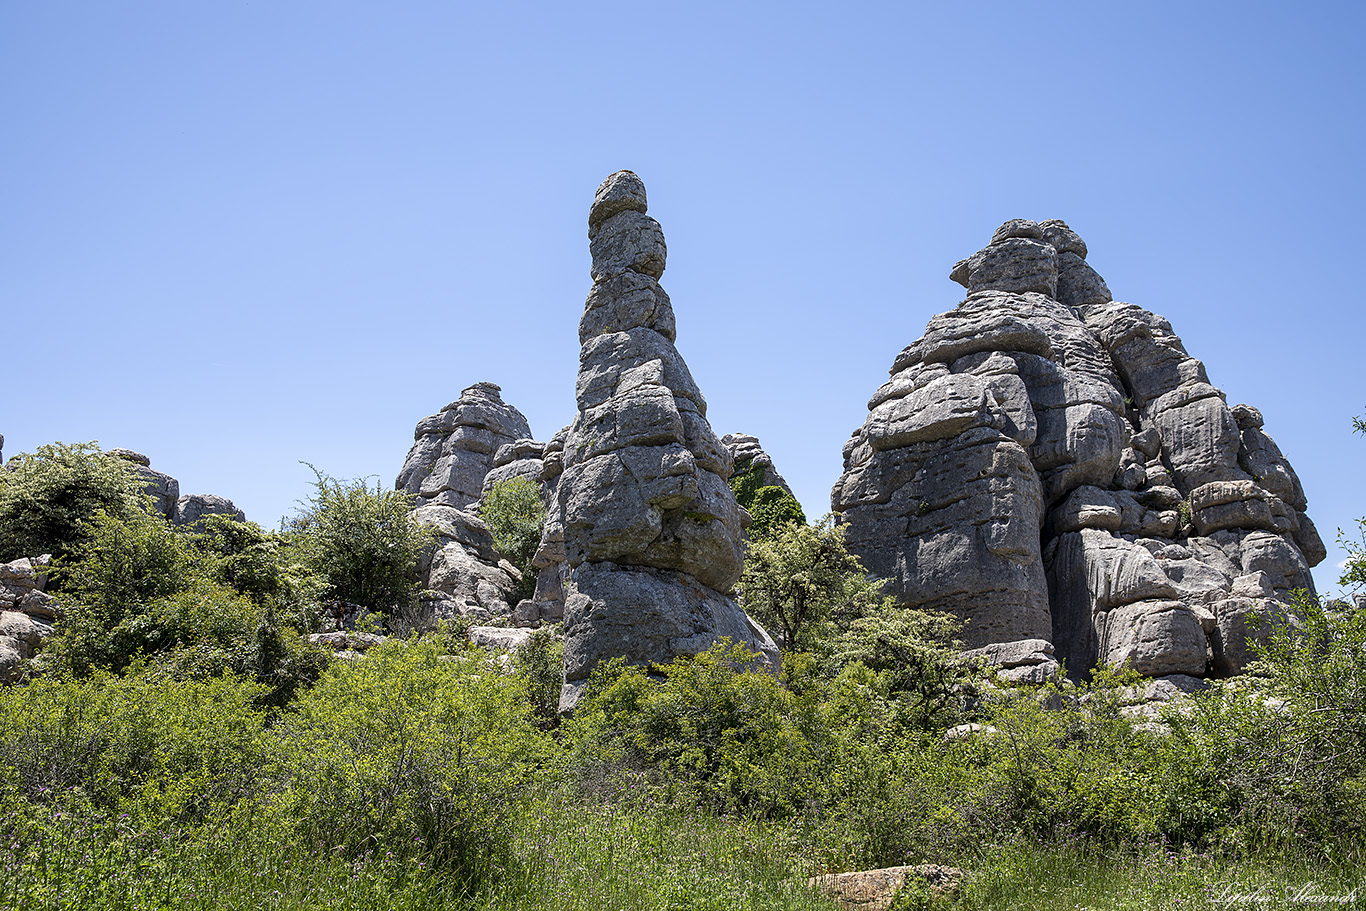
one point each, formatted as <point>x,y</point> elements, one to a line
<point>240,235</point>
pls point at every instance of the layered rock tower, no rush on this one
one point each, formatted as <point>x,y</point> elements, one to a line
<point>642,512</point>
<point>1054,468</point>
<point>454,449</point>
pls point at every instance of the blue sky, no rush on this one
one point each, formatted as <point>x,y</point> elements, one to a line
<point>236,236</point>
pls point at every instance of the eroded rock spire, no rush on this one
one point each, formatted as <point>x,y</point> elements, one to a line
<point>642,512</point>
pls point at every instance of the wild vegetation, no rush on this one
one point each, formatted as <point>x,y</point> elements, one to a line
<point>180,745</point>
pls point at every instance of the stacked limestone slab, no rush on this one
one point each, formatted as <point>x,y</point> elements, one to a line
<point>643,516</point>
<point>454,449</point>
<point>458,454</point>
<point>1055,469</point>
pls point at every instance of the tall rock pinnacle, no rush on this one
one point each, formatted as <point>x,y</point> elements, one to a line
<point>642,513</point>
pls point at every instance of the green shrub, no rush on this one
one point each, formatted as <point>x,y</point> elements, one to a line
<point>364,544</point>
<point>154,748</point>
<point>801,580</point>
<point>47,497</point>
<point>772,509</point>
<point>515,515</point>
<point>711,731</point>
<point>410,750</point>
<point>140,593</point>
<point>540,662</point>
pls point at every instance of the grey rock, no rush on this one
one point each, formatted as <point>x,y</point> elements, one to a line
<point>648,616</point>
<point>622,191</point>
<point>641,512</point>
<point>1031,675</point>
<point>161,487</point>
<point>499,638</point>
<point>628,241</point>
<point>456,448</point>
<point>627,299</point>
<point>1013,264</point>
<point>191,509</point>
<point>129,455</point>
<point>1020,653</point>
<point>11,661</point>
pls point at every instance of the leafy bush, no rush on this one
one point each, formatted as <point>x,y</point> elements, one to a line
<point>540,661</point>
<point>139,591</point>
<point>801,579</point>
<point>515,515</point>
<point>411,750</point>
<point>363,543</point>
<point>770,507</point>
<point>154,748</point>
<point>47,497</point>
<point>710,731</point>
<point>773,509</point>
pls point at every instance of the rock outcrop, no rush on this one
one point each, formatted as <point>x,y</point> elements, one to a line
<point>459,454</point>
<point>27,613</point>
<point>455,448</point>
<point>747,454</point>
<point>1052,466</point>
<point>647,523</point>
<point>165,493</point>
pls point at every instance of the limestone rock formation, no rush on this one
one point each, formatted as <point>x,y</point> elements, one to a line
<point>191,509</point>
<point>746,452</point>
<point>462,575</point>
<point>1049,464</point>
<point>455,448</point>
<point>459,454</point>
<point>161,487</point>
<point>642,514</point>
<point>26,613</point>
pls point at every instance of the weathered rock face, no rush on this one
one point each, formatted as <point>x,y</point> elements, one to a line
<point>26,613</point>
<point>165,493</point>
<point>1049,464</point>
<point>642,513</point>
<point>462,575</point>
<point>455,448</point>
<point>745,451</point>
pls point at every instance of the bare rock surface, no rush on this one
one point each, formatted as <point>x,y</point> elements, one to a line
<point>1052,466</point>
<point>642,514</point>
<point>454,449</point>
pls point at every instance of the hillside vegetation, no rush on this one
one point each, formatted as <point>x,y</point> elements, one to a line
<point>180,744</point>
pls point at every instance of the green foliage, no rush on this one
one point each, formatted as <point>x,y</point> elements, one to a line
<point>140,592</point>
<point>264,566</point>
<point>772,508</point>
<point>515,515</point>
<point>47,497</point>
<point>540,662</point>
<point>711,731</point>
<point>362,543</point>
<point>410,748</point>
<point>801,579</point>
<point>918,659</point>
<point>154,748</point>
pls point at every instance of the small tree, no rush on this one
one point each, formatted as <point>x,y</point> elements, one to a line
<point>47,497</point>
<point>363,543</point>
<point>803,577</point>
<point>515,515</point>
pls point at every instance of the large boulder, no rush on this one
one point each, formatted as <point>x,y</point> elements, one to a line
<point>1051,465</point>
